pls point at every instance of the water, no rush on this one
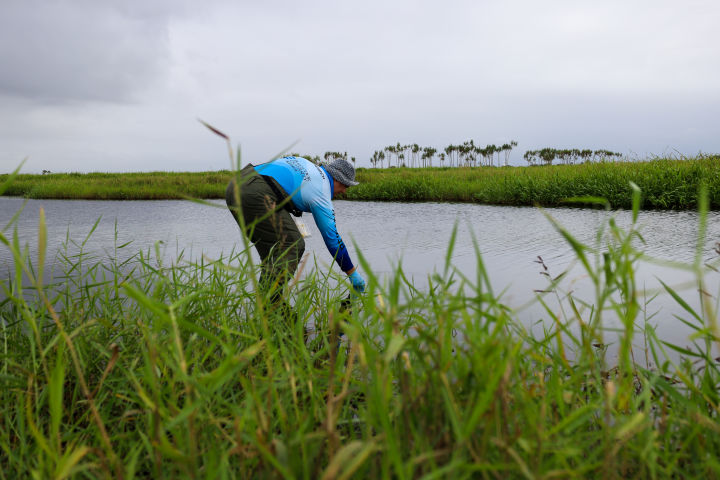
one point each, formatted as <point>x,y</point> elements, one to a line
<point>510,239</point>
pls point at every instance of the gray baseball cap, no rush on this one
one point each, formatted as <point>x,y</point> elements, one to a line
<point>342,171</point>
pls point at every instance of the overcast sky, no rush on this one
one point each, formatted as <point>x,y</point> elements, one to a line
<point>118,85</point>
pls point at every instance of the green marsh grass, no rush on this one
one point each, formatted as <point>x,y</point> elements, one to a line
<point>140,369</point>
<point>665,183</point>
<point>121,186</point>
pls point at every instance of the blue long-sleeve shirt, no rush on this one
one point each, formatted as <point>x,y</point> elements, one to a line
<point>311,188</point>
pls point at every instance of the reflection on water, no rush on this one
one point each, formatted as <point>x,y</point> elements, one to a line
<point>509,238</point>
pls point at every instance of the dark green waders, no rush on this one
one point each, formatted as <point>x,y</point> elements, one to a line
<point>276,238</point>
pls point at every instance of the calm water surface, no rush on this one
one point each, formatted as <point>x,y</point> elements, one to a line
<point>509,238</point>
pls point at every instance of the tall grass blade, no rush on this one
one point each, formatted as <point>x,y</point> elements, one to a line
<point>9,180</point>
<point>55,397</point>
<point>42,247</point>
<point>213,129</point>
<point>680,301</point>
<point>636,198</point>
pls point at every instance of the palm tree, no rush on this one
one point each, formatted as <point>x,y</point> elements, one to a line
<point>391,151</point>
<point>574,155</point>
<point>476,154</point>
<point>448,153</point>
<point>467,150</point>
<point>490,154</point>
<point>529,157</point>
<point>453,152</point>
<point>547,155</point>
<point>462,151</point>
<point>406,149</point>
<point>428,154</point>
<point>484,153</point>
<point>329,156</point>
<point>415,149</point>
<point>507,148</point>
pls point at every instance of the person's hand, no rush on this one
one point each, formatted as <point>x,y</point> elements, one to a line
<point>358,282</point>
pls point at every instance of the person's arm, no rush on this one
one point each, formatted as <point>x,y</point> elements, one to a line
<point>324,216</point>
<point>316,197</point>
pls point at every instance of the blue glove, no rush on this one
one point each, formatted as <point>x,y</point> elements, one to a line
<point>358,282</point>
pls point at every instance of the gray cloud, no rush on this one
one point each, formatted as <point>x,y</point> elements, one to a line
<point>81,50</point>
<point>117,85</point>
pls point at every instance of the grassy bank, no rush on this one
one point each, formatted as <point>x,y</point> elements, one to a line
<point>666,184</point>
<point>135,369</point>
<point>120,186</point>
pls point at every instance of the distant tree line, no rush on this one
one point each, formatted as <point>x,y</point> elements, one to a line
<point>466,154</point>
<point>567,156</point>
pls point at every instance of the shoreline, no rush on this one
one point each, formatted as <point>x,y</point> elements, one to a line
<point>666,184</point>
